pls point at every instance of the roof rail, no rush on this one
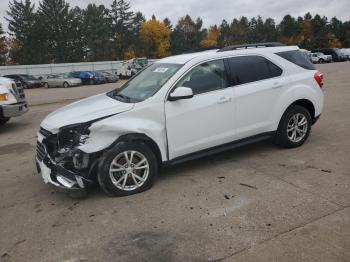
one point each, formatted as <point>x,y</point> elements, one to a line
<point>246,46</point>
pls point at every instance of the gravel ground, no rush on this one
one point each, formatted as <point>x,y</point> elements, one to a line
<point>255,203</point>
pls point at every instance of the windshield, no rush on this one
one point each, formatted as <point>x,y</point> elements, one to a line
<point>146,83</point>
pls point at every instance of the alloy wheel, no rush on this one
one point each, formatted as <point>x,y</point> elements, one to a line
<point>297,127</point>
<point>129,170</point>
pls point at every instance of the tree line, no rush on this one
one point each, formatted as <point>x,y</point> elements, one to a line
<point>55,32</point>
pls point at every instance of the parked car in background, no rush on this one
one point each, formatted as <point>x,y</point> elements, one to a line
<point>27,81</point>
<point>110,78</point>
<point>12,99</point>
<point>88,77</point>
<point>61,80</point>
<point>346,51</point>
<point>319,58</point>
<point>177,109</point>
<point>337,55</point>
<point>101,79</point>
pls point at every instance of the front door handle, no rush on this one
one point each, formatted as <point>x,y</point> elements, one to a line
<point>277,85</point>
<point>224,99</point>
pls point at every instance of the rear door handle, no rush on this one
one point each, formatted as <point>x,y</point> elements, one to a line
<point>224,99</point>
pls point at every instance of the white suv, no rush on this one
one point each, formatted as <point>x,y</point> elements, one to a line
<point>180,108</point>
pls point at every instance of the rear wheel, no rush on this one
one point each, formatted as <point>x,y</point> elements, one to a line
<point>294,127</point>
<point>128,168</point>
<point>65,85</point>
<point>46,85</point>
<point>321,61</point>
<point>4,120</point>
<point>92,82</point>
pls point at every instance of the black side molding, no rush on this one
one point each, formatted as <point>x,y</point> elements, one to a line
<point>218,149</point>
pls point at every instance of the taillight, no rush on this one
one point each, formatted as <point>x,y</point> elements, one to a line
<point>319,78</point>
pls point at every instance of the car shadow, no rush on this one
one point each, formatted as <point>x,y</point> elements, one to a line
<point>236,154</point>
<point>194,166</point>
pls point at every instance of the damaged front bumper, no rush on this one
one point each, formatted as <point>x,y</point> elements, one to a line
<point>56,174</point>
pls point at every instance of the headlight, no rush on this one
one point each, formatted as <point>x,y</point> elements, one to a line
<point>73,135</point>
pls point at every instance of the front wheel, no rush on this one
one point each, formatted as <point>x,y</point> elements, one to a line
<point>65,85</point>
<point>321,61</point>
<point>294,127</point>
<point>128,168</point>
<point>4,120</point>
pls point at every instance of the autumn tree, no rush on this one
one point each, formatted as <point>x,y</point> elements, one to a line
<point>212,38</point>
<point>155,37</point>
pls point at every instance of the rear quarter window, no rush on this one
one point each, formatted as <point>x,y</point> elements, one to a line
<point>297,58</point>
<point>247,69</point>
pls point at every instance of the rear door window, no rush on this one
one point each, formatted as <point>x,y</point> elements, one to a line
<point>298,58</point>
<point>247,69</point>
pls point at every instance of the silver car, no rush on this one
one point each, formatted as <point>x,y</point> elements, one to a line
<point>61,80</point>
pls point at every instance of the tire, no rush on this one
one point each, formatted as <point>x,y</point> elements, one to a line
<point>3,121</point>
<point>65,85</point>
<point>321,61</point>
<point>121,181</point>
<point>287,128</point>
<point>46,85</point>
<point>25,86</point>
<point>91,82</point>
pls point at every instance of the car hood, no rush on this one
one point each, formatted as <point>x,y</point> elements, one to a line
<point>85,110</point>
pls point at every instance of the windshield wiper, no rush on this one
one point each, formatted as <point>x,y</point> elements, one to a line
<point>122,96</point>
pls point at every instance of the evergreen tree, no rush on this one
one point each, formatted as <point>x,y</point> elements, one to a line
<point>137,23</point>
<point>55,22</point>
<point>121,19</point>
<point>167,23</point>
<point>97,33</point>
<point>239,31</point>
<point>22,26</point>
<point>187,35</point>
<point>225,33</point>
<point>319,31</point>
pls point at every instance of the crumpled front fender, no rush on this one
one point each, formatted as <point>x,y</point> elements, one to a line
<point>104,133</point>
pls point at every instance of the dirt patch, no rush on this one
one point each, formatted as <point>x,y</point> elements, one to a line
<point>15,148</point>
<point>144,246</point>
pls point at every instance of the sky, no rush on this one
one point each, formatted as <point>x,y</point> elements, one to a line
<point>213,11</point>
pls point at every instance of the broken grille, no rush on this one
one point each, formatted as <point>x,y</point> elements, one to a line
<point>40,151</point>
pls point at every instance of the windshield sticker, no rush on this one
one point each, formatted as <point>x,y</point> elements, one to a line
<point>160,70</point>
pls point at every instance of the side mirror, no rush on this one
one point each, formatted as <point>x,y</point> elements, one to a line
<point>181,93</point>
